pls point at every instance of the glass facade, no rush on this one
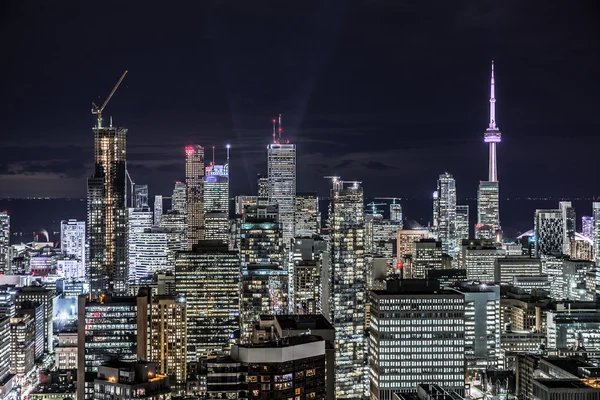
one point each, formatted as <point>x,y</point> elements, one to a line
<point>194,179</point>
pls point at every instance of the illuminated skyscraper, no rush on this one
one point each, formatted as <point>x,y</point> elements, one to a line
<point>281,157</point>
<point>194,179</point>
<point>307,216</point>
<point>139,220</point>
<point>208,277</point>
<point>446,214</point>
<point>596,216</point>
<point>107,213</point>
<point>488,204</point>
<point>4,241</point>
<point>72,243</point>
<point>263,186</point>
<point>396,212</point>
<point>568,219</point>
<point>158,209</point>
<point>549,235</point>
<point>345,279</point>
<point>216,201</point>
<point>178,198</point>
<point>462,223</point>
<point>587,226</point>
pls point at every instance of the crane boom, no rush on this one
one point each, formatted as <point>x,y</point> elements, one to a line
<point>98,111</point>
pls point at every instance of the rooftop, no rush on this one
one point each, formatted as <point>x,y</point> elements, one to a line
<point>564,384</point>
<point>300,322</point>
<point>286,341</point>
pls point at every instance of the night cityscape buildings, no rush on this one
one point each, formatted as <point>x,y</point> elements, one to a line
<point>295,293</point>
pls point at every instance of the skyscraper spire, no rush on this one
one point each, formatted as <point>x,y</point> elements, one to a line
<point>492,133</point>
<point>280,128</point>
<point>492,100</point>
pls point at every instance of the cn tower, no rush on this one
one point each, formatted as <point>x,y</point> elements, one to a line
<point>492,133</point>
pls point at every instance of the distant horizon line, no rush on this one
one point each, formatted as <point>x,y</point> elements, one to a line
<point>527,198</point>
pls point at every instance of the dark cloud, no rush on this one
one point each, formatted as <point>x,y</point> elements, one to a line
<point>60,168</point>
<point>344,163</point>
<point>376,165</point>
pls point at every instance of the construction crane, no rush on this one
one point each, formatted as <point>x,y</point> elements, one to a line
<point>98,110</point>
<point>389,198</point>
<point>373,206</point>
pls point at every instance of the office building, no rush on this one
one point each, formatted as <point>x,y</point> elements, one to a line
<point>482,324</point>
<point>532,284</point>
<point>596,231</point>
<point>41,294</point>
<point>568,225</point>
<point>131,380</point>
<point>587,226</point>
<point>36,311</point>
<point>178,199</point>
<point>396,213</point>
<point>417,335</point>
<point>488,206</point>
<point>272,328</point>
<point>509,267</point>
<point>168,337</point>
<point>447,277</point>
<point>281,164</point>
<point>107,213</point>
<point>216,202</point>
<point>109,327</point>
<point>264,291</point>
<point>158,208</point>
<point>194,179</point>
<point>564,389</point>
<point>573,329</point>
<point>66,351</point>
<point>139,220</point>
<point>294,366</point>
<point>72,244</point>
<point>263,186</point>
<point>305,276</point>
<point>261,236</point>
<point>406,238</point>
<point>548,232</point>
<point>176,223</point>
<point>446,213</point>
<point>478,257</point>
<point>22,336</point>
<point>4,241</point>
<point>427,254</point>
<point>582,248</point>
<point>6,379</point>
<point>346,290</point>
<point>307,216</point>
<point>242,201</point>
<point>462,224</point>
<point>208,277</point>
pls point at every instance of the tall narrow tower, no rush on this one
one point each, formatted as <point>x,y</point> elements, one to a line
<point>492,134</point>
<point>194,180</point>
<point>488,196</point>
<point>281,156</point>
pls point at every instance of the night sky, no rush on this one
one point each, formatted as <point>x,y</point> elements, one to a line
<point>389,92</point>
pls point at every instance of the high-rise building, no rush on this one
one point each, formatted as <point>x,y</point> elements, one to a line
<point>482,324</point>
<point>168,337</point>
<point>41,294</point>
<point>36,311</point>
<point>178,198</point>
<point>568,220</point>
<point>488,215</point>
<point>596,231</point>
<point>307,216</point>
<point>446,224</point>
<point>406,238</point>
<point>155,250</point>
<point>141,196</point>
<point>208,277</point>
<point>139,220</point>
<point>5,353</point>
<point>158,208</point>
<point>110,326</point>
<point>548,232</point>
<point>4,241</point>
<point>479,257</point>
<point>305,278</point>
<point>243,201</point>
<point>417,335</point>
<point>281,157</point>
<point>263,186</point>
<point>107,213</point>
<point>72,244</point>
<point>66,351</point>
<point>194,179</point>
<point>346,286</point>
<point>427,254</point>
<point>396,212</point>
<point>587,226</point>
<point>506,269</point>
<point>216,202</point>
<point>462,223</point>
<point>176,223</point>
<point>22,335</point>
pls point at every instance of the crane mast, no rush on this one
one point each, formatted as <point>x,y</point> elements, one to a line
<point>98,110</point>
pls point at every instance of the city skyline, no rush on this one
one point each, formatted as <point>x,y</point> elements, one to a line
<point>426,102</point>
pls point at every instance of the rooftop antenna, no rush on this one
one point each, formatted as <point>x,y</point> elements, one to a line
<point>98,110</point>
<point>111,121</point>
<point>274,130</point>
<point>213,161</point>
<point>228,146</point>
<point>280,128</point>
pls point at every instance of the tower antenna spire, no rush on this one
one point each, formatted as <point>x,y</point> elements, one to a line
<point>213,161</point>
<point>492,133</point>
<point>227,146</point>
<point>274,130</point>
<point>492,100</point>
<point>280,127</point>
